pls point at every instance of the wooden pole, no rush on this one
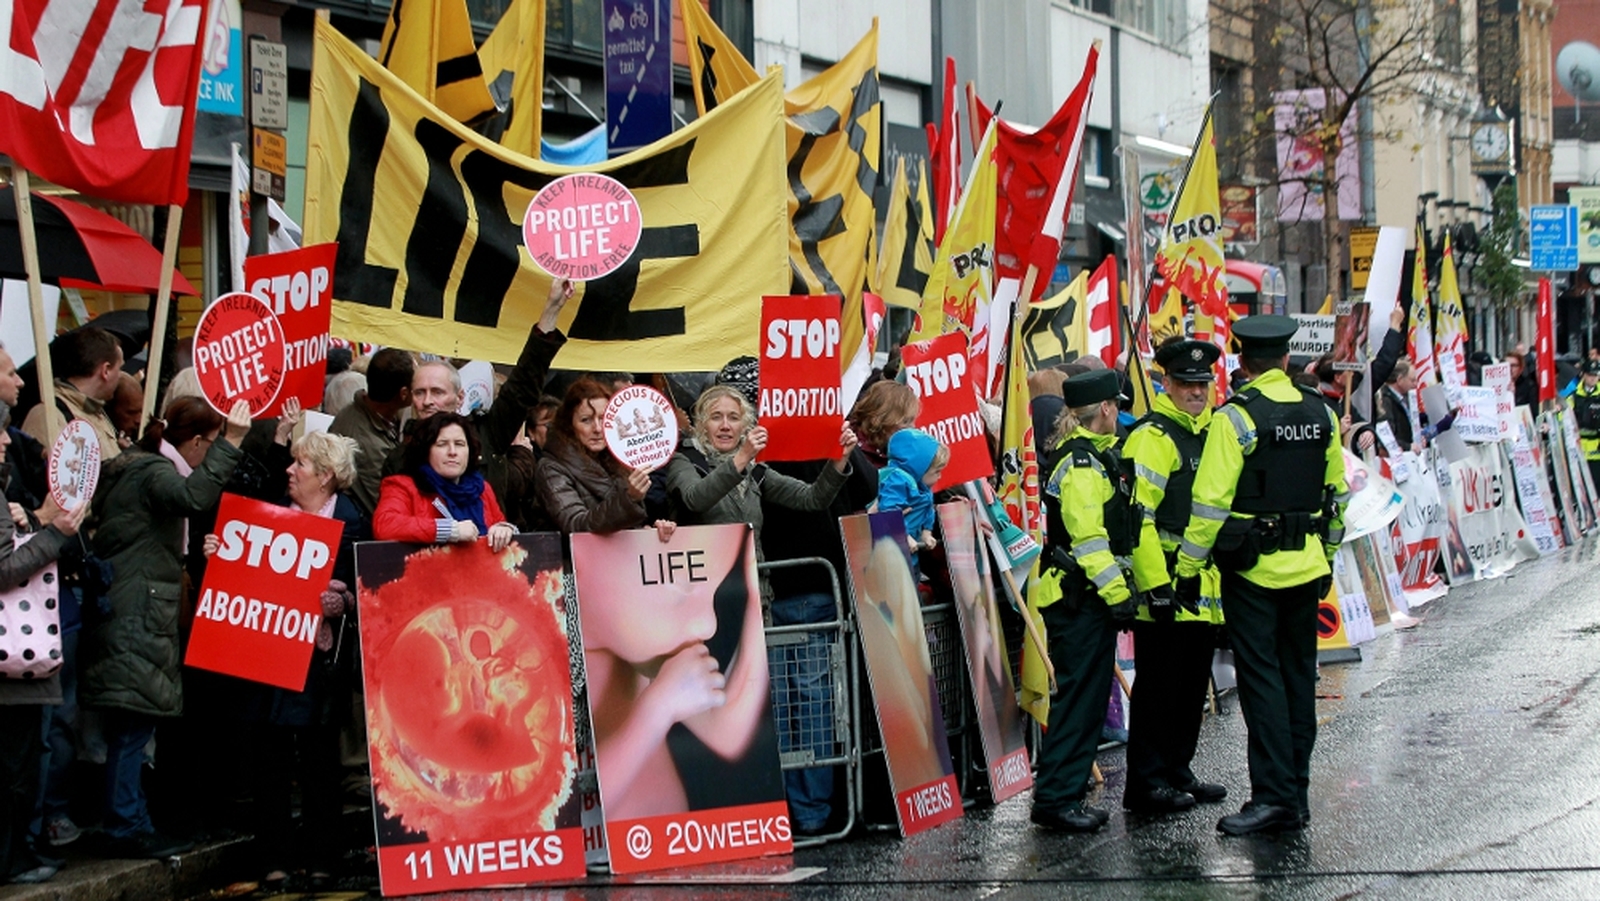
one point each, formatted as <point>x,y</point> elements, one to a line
<point>42,331</point>
<point>158,327</point>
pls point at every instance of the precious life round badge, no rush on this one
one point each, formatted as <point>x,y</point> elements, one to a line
<point>74,468</point>
<point>582,226</point>
<point>641,427</point>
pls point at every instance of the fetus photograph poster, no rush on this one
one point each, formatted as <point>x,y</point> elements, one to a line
<point>676,660</point>
<point>469,714</point>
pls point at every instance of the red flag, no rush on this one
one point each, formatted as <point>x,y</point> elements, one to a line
<point>99,95</point>
<point>1547,343</point>
<point>1036,172</point>
<point>944,155</point>
<point>1101,304</point>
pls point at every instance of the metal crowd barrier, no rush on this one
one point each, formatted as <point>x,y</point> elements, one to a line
<point>816,703</point>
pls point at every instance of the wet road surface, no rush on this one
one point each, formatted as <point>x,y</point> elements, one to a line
<point>1457,760</point>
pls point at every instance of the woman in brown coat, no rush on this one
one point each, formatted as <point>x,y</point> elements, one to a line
<point>582,487</point>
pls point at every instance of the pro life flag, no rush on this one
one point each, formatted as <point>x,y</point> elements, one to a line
<point>1190,257</point>
<point>513,64</point>
<point>958,294</point>
<point>906,257</point>
<point>1451,343</point>
<point>1105,305</point>
<point>1419,337</point>
<point>716,67</point>
<point>1036,170</point>
<point>434,260</point>
<point>99,95</point>
<point>944,154</point>
<point>428,44</point>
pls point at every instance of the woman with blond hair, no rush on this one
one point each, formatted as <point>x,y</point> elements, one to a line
<point>714,477</point>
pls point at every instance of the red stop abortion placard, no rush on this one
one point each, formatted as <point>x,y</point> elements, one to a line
<point>261,603</point>
<point>298,286</point>
<point>239,353</point>
<point>937,371</point>
<point>800,406</point>
<point>582,226</point>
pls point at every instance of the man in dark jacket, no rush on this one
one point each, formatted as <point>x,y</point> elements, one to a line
<point>804,593</point>
<point>373,421</point>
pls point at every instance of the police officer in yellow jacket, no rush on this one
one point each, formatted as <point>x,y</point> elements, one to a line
<point>1268,508</point>
<point>1586,411</point>
<point>1083,594</point>
<point>1172,645</point>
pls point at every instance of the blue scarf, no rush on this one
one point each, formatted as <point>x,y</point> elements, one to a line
<point>464,499</point>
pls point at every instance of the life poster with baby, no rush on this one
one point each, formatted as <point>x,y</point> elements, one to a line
<point>686,750</point>
<point>910,716</point>
<point>469,714</point>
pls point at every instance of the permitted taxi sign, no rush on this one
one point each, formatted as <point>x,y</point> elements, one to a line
<point>1553,237</point>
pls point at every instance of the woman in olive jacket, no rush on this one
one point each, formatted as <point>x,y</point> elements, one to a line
<point>130,642</point>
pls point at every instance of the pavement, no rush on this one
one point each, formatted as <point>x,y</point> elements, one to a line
<point>1454,760</point>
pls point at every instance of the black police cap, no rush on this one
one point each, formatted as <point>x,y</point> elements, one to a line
<point>1091,387</point>
<point>1188,360</point>
<point>1266,335</point>
<point>1591,367</point>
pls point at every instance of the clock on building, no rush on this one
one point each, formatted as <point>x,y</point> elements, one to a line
<point>1491,145</point>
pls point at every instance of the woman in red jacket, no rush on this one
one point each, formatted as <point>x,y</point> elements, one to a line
<point>441,496</point>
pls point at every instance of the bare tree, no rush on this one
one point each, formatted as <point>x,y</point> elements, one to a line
<point>1356,53</point>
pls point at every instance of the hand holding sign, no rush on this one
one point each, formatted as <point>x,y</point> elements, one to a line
<point>238,424</point>
<point>755,441</point>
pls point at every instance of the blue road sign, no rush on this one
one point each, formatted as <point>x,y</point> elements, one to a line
<point>1553,237</point>
<point>638,54</point>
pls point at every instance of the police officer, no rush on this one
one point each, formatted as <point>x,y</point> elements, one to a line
<point>1586,408</point>
<point>1268,509</point>
<point>1083,594</point>
<point>1173,645</point>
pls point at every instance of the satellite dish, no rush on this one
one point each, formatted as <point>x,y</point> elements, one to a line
<point>1578,67</point>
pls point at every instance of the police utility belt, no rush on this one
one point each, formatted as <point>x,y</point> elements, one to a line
<point>1075,583</point>
<point>1243,540</point>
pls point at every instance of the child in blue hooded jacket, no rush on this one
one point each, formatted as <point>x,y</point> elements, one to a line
<point>916,460</point>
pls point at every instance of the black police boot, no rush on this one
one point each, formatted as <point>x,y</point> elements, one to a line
<point>1205,792</point>
<point>1257,818</point>
<point>1158,801</point>
<point>1073,818</point>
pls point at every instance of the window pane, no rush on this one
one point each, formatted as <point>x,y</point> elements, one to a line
<point>586,24</point>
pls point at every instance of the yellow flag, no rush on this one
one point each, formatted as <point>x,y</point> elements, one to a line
<point>1019,494</point>
<point>428,215</point>
<point>907,248</point>
<point>1138,376</point>
<point>1167,320</point>
<point>716,67</point>
<point>1327,306</point>
<point>833,143</point>
<point>513,63</point>
<point>1056,329</point>
<point>962,283</point>
<point>1419,336</point>
<point>1452,338</point>
<point>1190,257</point>
<point>428,44</point>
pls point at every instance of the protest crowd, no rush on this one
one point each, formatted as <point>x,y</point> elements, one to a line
<point>634,590</point>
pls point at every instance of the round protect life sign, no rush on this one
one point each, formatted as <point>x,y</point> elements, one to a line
<point>240,353</point>
<point>582,226</point>
<point>641,427</point>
